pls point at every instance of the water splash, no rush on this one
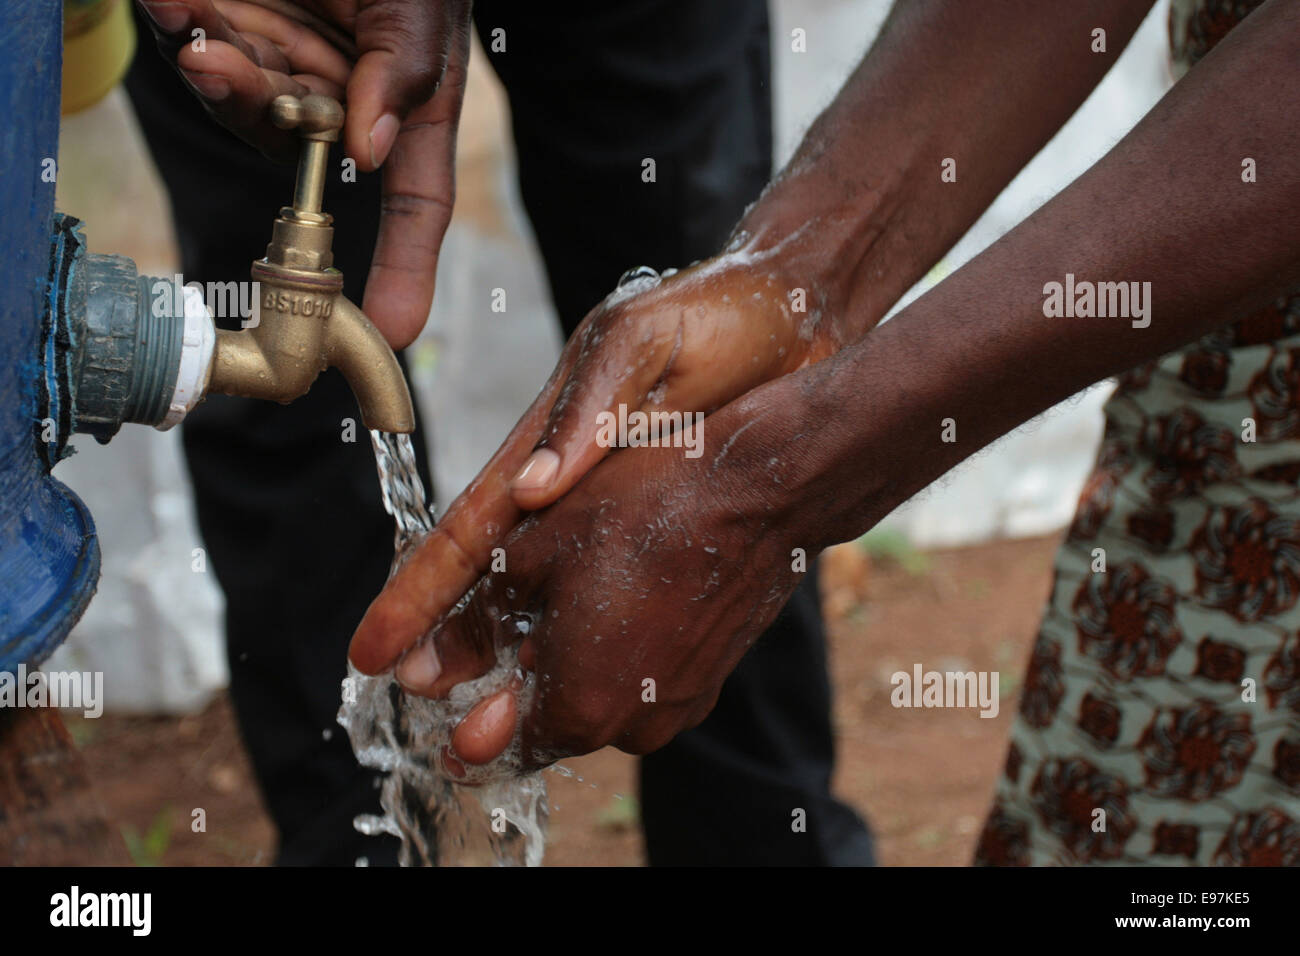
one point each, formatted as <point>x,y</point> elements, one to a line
<point>633,283</point>
<point>502,820</point>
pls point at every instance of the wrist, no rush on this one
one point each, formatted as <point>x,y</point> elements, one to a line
<point>860,433</point>
<point>858,223</point>
<point>787,459</point>
<point>826,244</point>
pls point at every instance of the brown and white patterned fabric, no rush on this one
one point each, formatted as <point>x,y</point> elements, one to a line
<point>1159,719</point>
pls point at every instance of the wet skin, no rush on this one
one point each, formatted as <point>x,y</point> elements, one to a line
<point>697,341</point>
<point>799,452</point>
<point>820,453</point>
<point>654,567</point>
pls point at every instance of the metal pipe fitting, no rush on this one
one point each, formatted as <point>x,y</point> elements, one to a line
<point>305,325</point>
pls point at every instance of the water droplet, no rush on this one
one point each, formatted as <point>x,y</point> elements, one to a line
<point>640,272</point>
<point>518,625</point>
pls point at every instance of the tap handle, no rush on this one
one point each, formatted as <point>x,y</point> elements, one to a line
<point>318,120</point>
<point>314,116</point>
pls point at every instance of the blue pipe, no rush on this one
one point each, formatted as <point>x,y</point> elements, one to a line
<point>49,554</point>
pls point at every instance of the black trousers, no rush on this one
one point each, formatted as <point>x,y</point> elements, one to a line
<point>291,515</point>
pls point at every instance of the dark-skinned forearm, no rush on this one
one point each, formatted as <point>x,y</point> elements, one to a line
<point>985,84</point>
<point>1167,206</point>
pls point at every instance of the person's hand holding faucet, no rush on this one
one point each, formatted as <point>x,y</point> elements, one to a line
<point>399,64</point>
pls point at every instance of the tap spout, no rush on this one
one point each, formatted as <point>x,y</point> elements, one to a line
<point>357,349</point>
<point>299,334</point>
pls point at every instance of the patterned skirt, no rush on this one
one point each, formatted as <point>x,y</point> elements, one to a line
<point>1159,720</point>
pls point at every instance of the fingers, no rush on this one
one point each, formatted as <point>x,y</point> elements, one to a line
<point>419,191</point>
<point>459,550</point>
<point>407,52</point>
<point>487,730</point>
<point>428,585</point>
<point>462,649</point>
<point>238,93</point>
<point>174,21</point>
<point>302,48</point>
<point>629,358</point>
<point>236,75</point>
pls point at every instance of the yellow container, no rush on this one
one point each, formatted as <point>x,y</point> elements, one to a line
<point>98,43</point>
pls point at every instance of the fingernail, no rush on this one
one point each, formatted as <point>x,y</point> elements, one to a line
<point>528,655</point>
<point>497,709</point>
<point>382,135</point>
<point>209,85</point>
<point>452,764</point>
<point>170,17</point>
<point>419,669</point>
<point>538,472</point>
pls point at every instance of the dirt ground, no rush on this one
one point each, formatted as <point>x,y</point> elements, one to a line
<point>922,778</point>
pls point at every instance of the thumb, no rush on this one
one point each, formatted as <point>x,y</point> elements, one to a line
<point>619,376</point>
<point>404,115</point>
<point>403,49</point>
<point>457,552</point>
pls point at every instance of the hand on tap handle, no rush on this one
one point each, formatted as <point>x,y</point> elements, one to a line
<point>400,67</point>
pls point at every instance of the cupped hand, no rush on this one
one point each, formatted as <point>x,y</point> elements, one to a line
<point>689,344</point>
<point>632,597</point>
<point>400,65</point>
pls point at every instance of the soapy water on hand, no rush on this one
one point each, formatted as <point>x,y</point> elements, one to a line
<point>501,819</point>
<point>440,821</point>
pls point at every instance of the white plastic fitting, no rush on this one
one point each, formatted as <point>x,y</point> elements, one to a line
<point>198,343</point>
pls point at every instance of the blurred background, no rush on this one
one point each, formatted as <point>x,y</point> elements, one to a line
<point>956,578</point>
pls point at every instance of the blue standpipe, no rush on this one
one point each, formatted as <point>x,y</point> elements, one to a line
<point>49,555</point>
<point>86,345</point>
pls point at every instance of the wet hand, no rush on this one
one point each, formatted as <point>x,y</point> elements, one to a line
<point>631,598</point>
<point>399,65</point>
<point>688,344</point>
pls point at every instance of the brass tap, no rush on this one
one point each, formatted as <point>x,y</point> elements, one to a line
<point>305,324</point>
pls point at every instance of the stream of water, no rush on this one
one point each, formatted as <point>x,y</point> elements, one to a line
<point>502,819</point>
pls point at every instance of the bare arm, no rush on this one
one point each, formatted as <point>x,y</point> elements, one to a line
<point>1168,206</point>
<point>983,84</point>
<point>692,558</point>
<point>857,217</point>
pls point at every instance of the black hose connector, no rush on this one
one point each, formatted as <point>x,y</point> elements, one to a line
<point>129,348</point>
<point>116,346</point>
